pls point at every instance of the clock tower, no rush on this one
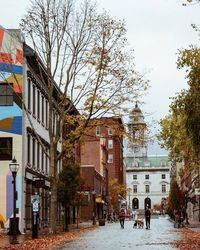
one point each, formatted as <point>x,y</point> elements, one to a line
<point>136,134</point>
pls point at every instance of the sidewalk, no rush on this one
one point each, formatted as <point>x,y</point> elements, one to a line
<point>6,239</point>
<point>194,225</point>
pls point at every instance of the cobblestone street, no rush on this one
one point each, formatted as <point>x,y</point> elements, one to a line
<point>112,237</point>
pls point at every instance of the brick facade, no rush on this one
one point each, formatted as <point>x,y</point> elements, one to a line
<point>101,161</point>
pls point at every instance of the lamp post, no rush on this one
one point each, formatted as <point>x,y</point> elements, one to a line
<point>94,207</point>
<point>129,197</point>
<point>14,167</point>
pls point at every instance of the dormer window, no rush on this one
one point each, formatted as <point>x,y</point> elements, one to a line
<point>147,164</point>
<point>163,163</point>
<point>135,164</point>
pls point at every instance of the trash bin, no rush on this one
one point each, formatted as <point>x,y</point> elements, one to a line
<point>101,222</point>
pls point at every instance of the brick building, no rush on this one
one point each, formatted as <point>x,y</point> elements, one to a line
<point>101,161</point>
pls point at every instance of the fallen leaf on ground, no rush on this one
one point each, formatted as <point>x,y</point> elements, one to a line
<point>190,240</point>
<point>48,241</point>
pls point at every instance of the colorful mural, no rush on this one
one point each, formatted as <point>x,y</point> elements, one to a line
<point>11,72</point>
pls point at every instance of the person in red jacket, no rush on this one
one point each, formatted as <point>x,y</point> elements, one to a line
<point>122,217</point>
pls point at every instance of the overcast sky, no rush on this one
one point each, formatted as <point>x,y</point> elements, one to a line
<point>156,29</point>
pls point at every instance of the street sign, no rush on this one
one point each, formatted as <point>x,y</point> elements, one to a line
<point>35,207</point>
<point>35,198</point>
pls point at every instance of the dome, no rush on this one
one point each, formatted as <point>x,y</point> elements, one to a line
<point>136,109</point>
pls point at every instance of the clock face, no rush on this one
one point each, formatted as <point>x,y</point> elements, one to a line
<point>136,149</point>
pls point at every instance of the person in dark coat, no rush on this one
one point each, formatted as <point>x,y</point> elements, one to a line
<point>147,217</point>
<point>122,217</point>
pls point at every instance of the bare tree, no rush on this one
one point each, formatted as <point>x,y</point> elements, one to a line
<point>87,54</point>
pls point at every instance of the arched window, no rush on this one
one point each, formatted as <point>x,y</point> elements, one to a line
<point>135,203</point>
<point>147,202</point>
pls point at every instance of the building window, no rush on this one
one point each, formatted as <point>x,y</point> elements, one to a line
<point>110,158</point>
<point>34,100</point>
<point>46,161</point>
<point>136,149</point>
<point>163,176</point>
<point>42,160</point>
<point>163,188</point>
<point>147,164</point>
<point>163,163</point>
<point>110,131</point>
<point>134,177</point>
<point>147,176</point>
<point>97,131</point>
<point>110,144</point>
<point>33,152</point>
<point>43,110</point>
<point>29,94</point>
<point>147,188</point>
<point>38,105</point>
<point>47,113</point>
<point>28,148</point>
<point>38,155</point>
<point>6,94</point>
<point>5,149</point>
<point>134,188</point>
<point>136,135</point>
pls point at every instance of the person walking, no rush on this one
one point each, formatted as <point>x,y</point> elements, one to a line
<point>122,217</point>
<point>147,217</point>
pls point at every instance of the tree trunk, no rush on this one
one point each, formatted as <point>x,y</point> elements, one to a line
<point>74,214</point>
<point>66,218</point>
<point>68,214</point>
<point>77,219</point>
<point>53,211</point>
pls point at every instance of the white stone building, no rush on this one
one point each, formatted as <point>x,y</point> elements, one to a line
<point>147,177</point>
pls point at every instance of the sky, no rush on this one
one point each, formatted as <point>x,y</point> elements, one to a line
<point>156,30</point>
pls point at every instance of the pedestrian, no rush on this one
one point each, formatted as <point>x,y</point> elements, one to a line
<point>114,216</point>
<point>122,217</point>
<point>134,213</point>
<point>147,217</point>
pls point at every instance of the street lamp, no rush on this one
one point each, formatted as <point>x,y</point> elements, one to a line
<point>94,207</point>
<point>129,197</point>
<point>14,167</point>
